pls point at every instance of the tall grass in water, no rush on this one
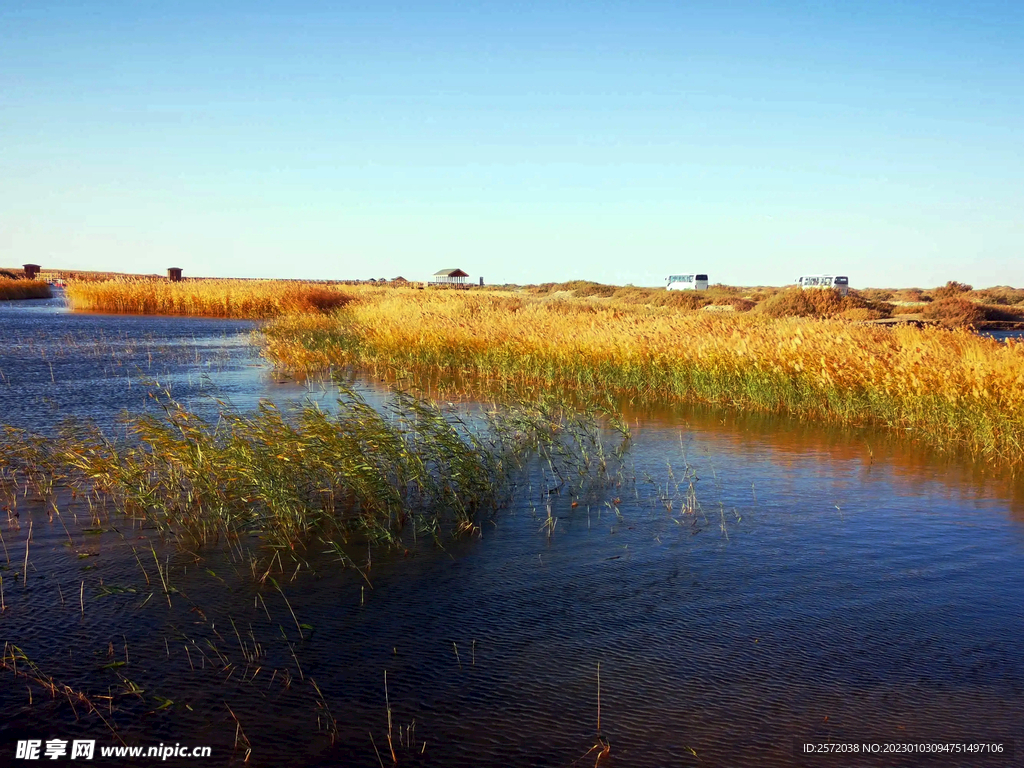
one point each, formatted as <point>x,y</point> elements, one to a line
<point>949,388</point>
<point>24,289</point>
<point>210,298</point>
<point>297,476</point>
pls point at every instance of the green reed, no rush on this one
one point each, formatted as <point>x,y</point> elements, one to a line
<point>307,474</point>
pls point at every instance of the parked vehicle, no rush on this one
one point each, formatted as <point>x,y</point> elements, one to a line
<point>839,282</point>
<point>691,282</point>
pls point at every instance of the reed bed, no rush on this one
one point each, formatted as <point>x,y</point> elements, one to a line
<point>248,299</point>
<point>24,289</point>
<point>298,476</point>
<point>949,388</point>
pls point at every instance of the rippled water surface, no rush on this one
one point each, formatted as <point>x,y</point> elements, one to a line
<point>744,583</point>
<point>1003,335</point>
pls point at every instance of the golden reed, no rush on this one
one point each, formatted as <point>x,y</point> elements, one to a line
<point>23,289</point>
<point>950,388</point>
<point>252,299</point>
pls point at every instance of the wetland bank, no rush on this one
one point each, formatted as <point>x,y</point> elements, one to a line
<point>745,579</point>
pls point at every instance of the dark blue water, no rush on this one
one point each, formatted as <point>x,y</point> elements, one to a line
<point>1003,335</point>
<point>55,364</point>
<point>744,582</point>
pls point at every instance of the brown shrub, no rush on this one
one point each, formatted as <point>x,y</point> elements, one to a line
<point>307,298</point>
<point>659,297</point>
<point>910,294</point>
<point>540,289</point>
<point>950,290</point>
<point>1000,294</point>
<point>797,302</point>
<point>719,289</point>
<point>954,312</point>
<point>874,294</point>
<point>997,312</point>
<point>587,288</point>
<point>682,299</point>
<point>762,293</point>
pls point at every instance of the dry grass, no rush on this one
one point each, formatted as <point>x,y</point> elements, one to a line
<point>951,290</point>
<point>23,289</point>
<point>265,299</point>
<point>950,388</point>
<point>796,302</point>
<point>862,314</point>
<point>210,298</point>
<point>909,294</point>
<point>630,294</point>
<point>1001,294</point>
<point>954,312</point>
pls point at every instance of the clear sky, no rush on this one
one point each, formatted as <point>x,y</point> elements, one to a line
<point>520,141</point>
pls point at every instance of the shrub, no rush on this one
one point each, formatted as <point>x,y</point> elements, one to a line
<point>1000,294</point>
<point>306,298</point>
<point>951,289</point>
<point>719,289</point>
<point>954,312</point>
<point>593,289</point>
<point>796,302</point>
<point>540,289</point>
<point>875,294</point>
<point>659,297</point>
<point>997,312</point>
<point>684,299</point>
<point>910,294</point>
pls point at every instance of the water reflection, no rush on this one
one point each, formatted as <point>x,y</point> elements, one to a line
<point>867,454</point>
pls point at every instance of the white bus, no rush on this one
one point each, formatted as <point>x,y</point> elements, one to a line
<point>840,282</point>
<point>686,282</point>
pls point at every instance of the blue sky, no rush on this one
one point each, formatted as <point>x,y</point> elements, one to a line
<point>524,142</point>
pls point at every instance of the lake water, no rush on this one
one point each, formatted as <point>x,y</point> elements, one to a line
<point>828,585</point>
<point>1004,335</point>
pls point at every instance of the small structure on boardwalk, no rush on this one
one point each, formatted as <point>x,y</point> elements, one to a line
<point>31,271</point>
<point>174,274</point>
<point>451,278</point>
